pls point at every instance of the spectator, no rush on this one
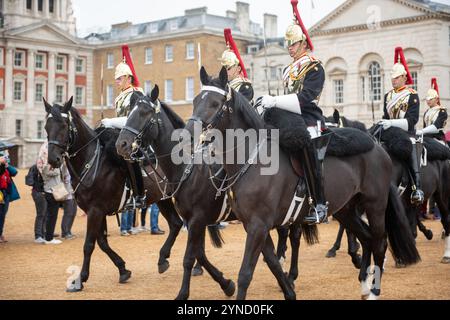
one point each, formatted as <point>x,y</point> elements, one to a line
<point>154,213</point>
<point>70,210</point>
<point>143,228</point>
<point>51,177</point>
<point>126,223</point>
<point>34,180</point>
<point>7,188</point>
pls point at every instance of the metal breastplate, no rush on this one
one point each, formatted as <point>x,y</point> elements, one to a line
<point>296,80</point>
<point>432,115</point>
<point>397,104</point>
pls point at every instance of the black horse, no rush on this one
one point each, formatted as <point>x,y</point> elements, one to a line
<point>98,176</point>
<point>261,201</point>
<point>434,176</point>
<point>196,199</point>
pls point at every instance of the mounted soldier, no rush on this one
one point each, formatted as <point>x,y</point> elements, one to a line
<point>304,81</point>
<point>435,118</point>
<point>401,110</point>
<point>237,74</point>
<point>127,82</point>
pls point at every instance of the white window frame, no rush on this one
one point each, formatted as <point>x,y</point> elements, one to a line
<point>19,133</point>
<point>363,89</point>
<point>81,101</point>
<point>190,92</point>
<point>148,55</point>
<point>147,87</point>
<point>173,25</point>
<point>40,129</point>
<point>110,60</point>
<point>167,97</point>
<point>42,83</point>
<point>190,51</point>
<point>167,51</point>
<point>83,65</point>
<point>63,98</point>
<point>22,60</point>
<point>43,61</point>
<point>252,49</point>
<point>376,95</point>
<point>110,96</point>
<point>63,64</point>
<point>415,78</point>
<point>338,88</point>
<point>22,91</point>
<point>2,55</point>
<point>154,27</point>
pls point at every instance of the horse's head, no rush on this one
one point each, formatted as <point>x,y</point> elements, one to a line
<point>210,106</point>
<point>58,127</point>
<point>142,124</point>
<point>335,120</point>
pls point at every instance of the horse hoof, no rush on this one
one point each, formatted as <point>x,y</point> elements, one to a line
<point>230,290</point>
<point>331,254</point>
<point>125,277</point>
<point>181,297</point>
<point>163,267</point>
<point>373,297</point>
<point>400,265</point>
<point>365,296</point>
<point>445,260</point>
<point>74,289</point>
<point>429,235</point>
<point>197,272</point>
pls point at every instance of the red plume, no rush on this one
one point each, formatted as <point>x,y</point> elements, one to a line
<point>232,45</point>
<point>434,85</point>
<point>400,58</point>
<point>300,23</point>
<point>127,57</point>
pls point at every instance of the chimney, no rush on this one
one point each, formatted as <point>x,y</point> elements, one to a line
<point>196,11</point>
<point>231,14</point>
<point>121,26</point>
<point>243,17</point>
<point>270,25</point>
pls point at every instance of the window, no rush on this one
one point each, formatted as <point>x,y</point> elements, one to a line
<point>79,96</point>
<point>51,6</point>
<point>148,56</point>
<point>147,87</point>
<point>339,91</point>
<point>39,93</point>
<point>252,49</point>
<point>173,25</point>
<point>19,60</point>
<point>40,131</point>
<point>109,96</point>
<point>59,93</point>
<point>154,27</point>
<point>60,63</point>
<point>169,90</point>
<point>79,67</point>
<point>190,51</point>
<point>189,89</point>
<point>18,128</point>
<point>29,4</point>
<point>39,61</point>
<point>415,80</point>
<point>40,5</point>
<point>169,53</point>
<point>110,60</point>
<point>273,73</point>
<point>18,91</point>
<point>375,81</point>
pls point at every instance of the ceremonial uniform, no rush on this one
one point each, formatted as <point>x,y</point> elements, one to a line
<point>122,102</point>
<point>244,87</point>
<point>403,103</point>
<point>435,118</point>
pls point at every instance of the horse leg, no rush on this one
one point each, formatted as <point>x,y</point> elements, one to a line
<point>257,233</point>
<point>102,241</point>
<point>353,248</point>
<point>295,234</point>
<point>283,234</point>
<point>197,271</point>
<point>445,220</point>
<point>94,225</point>
<point>275,267</point>
<point>175,224</point>
<point>427,233</point>
<point>337,245</point>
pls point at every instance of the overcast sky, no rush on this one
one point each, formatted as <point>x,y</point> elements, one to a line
<point>98,15</point>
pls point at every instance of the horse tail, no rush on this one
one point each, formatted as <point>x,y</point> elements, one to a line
<point>215,236</point>
<point>311,233</point>
<point>401,239</point>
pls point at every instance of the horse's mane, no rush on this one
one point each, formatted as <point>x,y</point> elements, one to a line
<point>354,124</point>
<point>174,118</point>
<point>242,105</point>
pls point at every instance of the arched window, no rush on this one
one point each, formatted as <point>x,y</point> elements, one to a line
<point>375,81</point>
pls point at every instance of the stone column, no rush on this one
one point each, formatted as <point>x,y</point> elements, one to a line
<point>9,77</point>
<point>51,77</point>
<point>35,8</point>
<point>71,77</point>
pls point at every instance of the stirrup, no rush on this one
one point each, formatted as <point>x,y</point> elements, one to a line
<point>137,202</point>
<point>317,215</point>
<point>417,197</point>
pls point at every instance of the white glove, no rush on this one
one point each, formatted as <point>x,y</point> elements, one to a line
<point>428,130</point>
<point>419,132</point>
<point>288,102</point>
<point>398,123</point>
<point>115,123</point>
<point>268,102</point>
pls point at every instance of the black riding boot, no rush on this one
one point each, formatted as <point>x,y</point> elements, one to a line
<point>137,201</point>
<point>312,158</point>
<point>417,195</point>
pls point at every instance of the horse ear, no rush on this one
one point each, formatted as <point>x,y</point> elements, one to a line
<point>336,116</point>
<point>134,97</point>
<point>204,77</point>
<point>48,107</point>
<point>155,94</point>
<point>223,77</point>
<point>68,105</point>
